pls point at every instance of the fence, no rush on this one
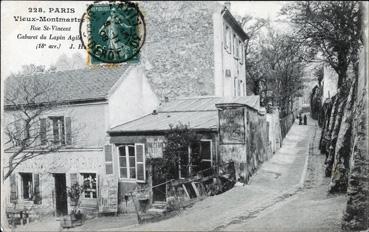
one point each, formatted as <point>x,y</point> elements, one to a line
<point>286,123</point>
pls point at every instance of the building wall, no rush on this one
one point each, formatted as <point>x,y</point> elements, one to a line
<point>179,48</point>
<point>88,124</point>
<point>248,154</point>
<point>153,149</point>
<point>63,162</point>
<point>132,98</point>
<point>227,69</point>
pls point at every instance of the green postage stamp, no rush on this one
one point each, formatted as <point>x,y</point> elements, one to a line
<point>112,32</point>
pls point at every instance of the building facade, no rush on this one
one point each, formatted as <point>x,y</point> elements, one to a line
<point>87,104</point>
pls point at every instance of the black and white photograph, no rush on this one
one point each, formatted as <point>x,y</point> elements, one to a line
<point>184,116</point>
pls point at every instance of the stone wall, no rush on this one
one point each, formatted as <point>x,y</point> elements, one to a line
<point>65,162</point>
<point>356,216</point>
<point>258,149</point>
<point>249,153</point>
<point>178,51</point>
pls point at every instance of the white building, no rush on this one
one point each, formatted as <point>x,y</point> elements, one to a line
<point>229,55</point>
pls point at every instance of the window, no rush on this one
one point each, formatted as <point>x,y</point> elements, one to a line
<point>183,166</point>
<point>241,51</point>
<point>227,39</point>
<point>27,186</point>
<point>89,180</point>
<point>235,86</point>
<point>132,162</point>
<point>202,150</point>
<point>235,46</point>
<point>242,88</point>
<point>60,131</point>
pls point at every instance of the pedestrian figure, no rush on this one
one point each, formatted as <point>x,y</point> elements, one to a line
<point>300,120</point>
<point>305,120</point>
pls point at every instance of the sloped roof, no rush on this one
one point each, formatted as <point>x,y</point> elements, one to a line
<point>161,121</point>
<point>198,113</point>
<point>64,86</point>
<point>207,103</point>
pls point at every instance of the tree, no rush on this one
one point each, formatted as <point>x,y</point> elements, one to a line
<point>253,26</point>
<point>64,62</point>
<point>27,99</point>
<point>175,155</point>
<point>331,27</point>
<point>277,62</point>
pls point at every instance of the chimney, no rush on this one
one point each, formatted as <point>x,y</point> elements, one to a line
<point>227,4</point>
<point>166,99</point>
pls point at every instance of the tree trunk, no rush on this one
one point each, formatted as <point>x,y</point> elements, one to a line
<point>343,148</point>
<point>356,215</point>
<point>335,126</point>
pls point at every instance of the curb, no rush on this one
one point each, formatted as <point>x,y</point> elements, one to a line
<point>304,172</point>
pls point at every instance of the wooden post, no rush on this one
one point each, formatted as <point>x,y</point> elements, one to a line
<point>134,203</point>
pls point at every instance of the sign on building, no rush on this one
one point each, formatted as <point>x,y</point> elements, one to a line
<point>232,126</point>
<point>154,147</point>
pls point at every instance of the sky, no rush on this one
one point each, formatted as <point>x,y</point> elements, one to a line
<point>18,52</point>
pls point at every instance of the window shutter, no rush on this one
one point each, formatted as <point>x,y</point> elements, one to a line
<point>13,188</point>
<point>140,162</point>
<point>73,179</point>
<point>68,131</point>
<point>108,159</point>
<point>43,131</point>
<point>37,198</point>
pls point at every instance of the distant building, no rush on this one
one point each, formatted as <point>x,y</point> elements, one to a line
<point>329,83</point>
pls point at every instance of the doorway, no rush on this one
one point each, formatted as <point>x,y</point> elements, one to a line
<point>61,206</point>
<point>159,192</point>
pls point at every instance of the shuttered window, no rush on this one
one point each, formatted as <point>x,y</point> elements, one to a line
<point>108,159</point>
<point>241,51</point>
<point>132,162</point>
<point>27,186</point>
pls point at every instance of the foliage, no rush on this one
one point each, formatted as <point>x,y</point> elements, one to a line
<point>253,26</point>
<point>22,130</point>
<point>74,193</point>
<point>178,139</point>
<point>331,27</point>
<point>27,97</point>
<point>277,64</point>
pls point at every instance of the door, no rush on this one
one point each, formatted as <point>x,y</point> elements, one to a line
<point>60,195</point>
<point>159,192</point>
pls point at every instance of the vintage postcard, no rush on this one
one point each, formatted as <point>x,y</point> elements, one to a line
<point>184,116</point>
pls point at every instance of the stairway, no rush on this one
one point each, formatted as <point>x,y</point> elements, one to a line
<point>157,212</point>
